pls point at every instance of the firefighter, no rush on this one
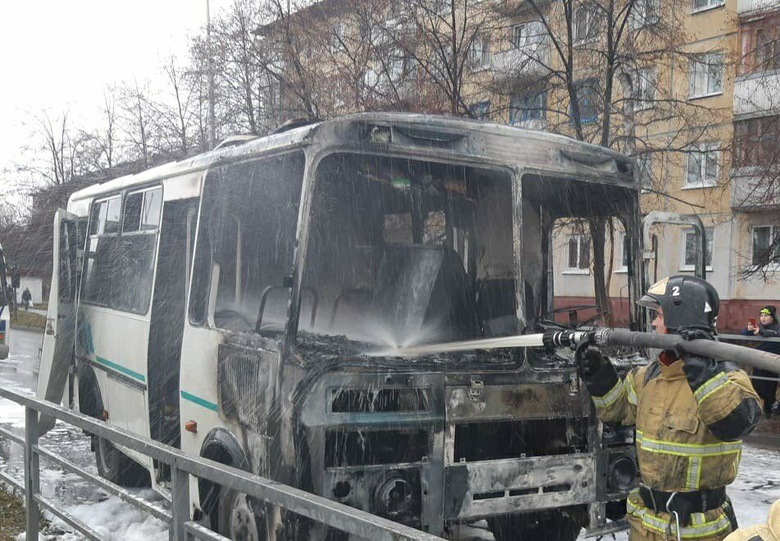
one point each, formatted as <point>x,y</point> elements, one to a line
<point>690,413</point>
<point>763,532</point>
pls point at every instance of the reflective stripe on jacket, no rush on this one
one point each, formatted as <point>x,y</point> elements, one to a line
<point>712,524</point>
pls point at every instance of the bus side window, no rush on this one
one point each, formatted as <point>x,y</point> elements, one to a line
<point>120,250</point>
<point>102,245</point>
<point>140,226</point>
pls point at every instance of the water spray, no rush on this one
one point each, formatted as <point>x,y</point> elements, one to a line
<point>602,336</point>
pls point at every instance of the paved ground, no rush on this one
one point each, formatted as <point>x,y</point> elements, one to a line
<point>767,434</point>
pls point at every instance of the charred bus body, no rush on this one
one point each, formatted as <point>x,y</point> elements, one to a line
<point>244,305</point>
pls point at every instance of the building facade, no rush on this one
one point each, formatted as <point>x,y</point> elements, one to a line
<point>685,86</point>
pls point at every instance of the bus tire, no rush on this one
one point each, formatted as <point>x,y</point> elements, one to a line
<point>115,466</point>
<point>236,519</point>
<point>550,526</point>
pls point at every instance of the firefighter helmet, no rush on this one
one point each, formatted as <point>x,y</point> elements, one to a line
<point>687,302</point>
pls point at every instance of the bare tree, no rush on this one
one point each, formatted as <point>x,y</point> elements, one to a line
<point>57,143</point>
<point>446,44</point>
<point>238,59</point>
<point>176,114</point>
<point>285,48</point>
<point>100,148</point>
<point>135,103</point>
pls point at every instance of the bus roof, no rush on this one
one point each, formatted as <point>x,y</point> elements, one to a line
<point>447,137</point>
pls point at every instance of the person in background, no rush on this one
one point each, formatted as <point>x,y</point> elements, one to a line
<point>690,414</point>
<point>26,298</point>
<point>763,532</point>
<point>767,326</point>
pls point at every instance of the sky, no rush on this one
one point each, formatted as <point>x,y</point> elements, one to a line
<point>60,55</point>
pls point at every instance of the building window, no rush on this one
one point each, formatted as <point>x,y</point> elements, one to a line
<point>706,75</point>
<point>625,255</point>
<point>442,7</point>
<point>588,101</point>
<point>585,24</point>
<point>643,170</point>
<point>755,141</point>
<point>764,48</point>
<point>760,49</point>
<point>338,38</point>
<point>643,85</point>
<point>370,79</point>
<point>480,51</point>
<point>527,107</point>
<point>480,110</point>
<point>120,254</point>
<point>644,13</point>
<point>527,34</point>
<point>397,65</point>
<point>579,252</point>
<point>702,170</point>
<point>689,249</point>
<point>518,35</point>
<point>701,5</point>
<point>765,245</point>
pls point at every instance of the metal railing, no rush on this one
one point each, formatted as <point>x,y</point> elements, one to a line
<point>737,338</point>
<point>182,527</point>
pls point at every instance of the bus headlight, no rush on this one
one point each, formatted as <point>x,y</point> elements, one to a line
<point>394,498</point>
<point>621,472</point>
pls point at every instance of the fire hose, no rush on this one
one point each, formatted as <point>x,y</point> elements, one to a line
<point>606,336</point>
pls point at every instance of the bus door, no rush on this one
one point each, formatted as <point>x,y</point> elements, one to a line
<point>59,336</point>
<point>115,304</point>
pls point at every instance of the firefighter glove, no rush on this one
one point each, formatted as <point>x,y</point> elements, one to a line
<point>589,359</point>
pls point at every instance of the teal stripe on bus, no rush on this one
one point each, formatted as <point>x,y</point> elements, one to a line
<point>199,401</point>
<point>121,369</point>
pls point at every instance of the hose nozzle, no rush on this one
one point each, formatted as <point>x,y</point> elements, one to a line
<point>557,338</point>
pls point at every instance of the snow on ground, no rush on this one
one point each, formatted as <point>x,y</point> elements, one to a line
<point>114,519</point>
<point>757,486</point>
<point>11,413</point>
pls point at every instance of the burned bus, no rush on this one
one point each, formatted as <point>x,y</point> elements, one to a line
<point>245,305</point>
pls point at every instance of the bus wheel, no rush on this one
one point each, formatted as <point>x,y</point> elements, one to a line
<point>115,466</point>
<point>236,519</point>
<point>552,526</point>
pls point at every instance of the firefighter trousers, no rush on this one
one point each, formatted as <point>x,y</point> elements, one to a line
<point>646,525</point>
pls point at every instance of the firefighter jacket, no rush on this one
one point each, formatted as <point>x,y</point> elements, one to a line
<point>689,417</point>
<point>763,532</point>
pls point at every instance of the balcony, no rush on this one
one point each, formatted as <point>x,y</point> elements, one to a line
<point>755,189</point>
<point>520,63</point>
<point>757,93</point>
<point>749,7</point>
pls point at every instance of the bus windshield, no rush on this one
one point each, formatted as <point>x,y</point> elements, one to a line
<point>398,249</point>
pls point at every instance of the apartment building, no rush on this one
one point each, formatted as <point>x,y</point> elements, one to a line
<point>754,198</point>
<point>686,86</point>
<point>716,160</point>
